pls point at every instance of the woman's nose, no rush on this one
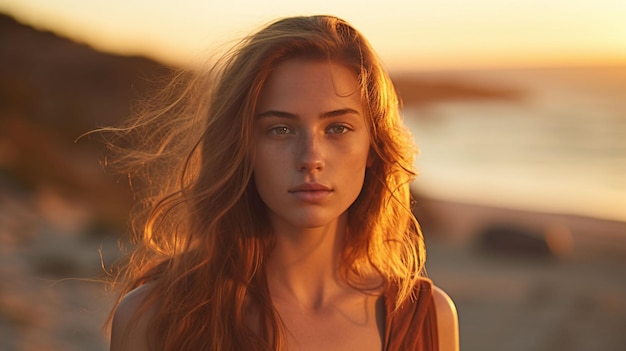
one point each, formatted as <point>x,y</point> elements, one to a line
<point>311,157</point>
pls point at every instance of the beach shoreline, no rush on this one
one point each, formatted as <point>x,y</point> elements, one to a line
<point>461,223</point>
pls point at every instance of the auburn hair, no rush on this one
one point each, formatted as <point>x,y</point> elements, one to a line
<point>202,236</point>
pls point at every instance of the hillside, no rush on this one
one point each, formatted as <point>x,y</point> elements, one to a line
<point>52,90</point>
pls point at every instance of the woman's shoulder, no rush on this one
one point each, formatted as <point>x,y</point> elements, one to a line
<point>444,305</point>
<point>129,329</point>
<point>447,320</point>
<point>426,321</point>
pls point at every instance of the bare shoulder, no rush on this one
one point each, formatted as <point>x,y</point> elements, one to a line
<point>130,331</point>
<point>447,321</point>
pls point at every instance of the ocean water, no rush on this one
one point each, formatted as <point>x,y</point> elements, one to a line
<point>560,148</point>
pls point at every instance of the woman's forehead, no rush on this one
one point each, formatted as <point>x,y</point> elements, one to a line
<point>323,81</point>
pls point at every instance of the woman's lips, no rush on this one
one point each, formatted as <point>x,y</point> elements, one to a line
<point>311,192</point>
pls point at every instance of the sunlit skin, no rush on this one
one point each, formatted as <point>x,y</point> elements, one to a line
<point>311,146</point>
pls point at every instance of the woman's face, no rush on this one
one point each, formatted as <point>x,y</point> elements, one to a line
<point>311,143</point>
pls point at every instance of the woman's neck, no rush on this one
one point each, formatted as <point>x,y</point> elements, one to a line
<point>304,265</point>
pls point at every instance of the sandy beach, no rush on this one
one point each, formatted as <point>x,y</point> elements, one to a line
<point>52,296</point>
<point>571,299</point>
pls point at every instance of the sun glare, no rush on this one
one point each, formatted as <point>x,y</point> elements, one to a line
<point>408,35</point>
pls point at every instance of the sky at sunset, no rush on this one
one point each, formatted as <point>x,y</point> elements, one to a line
<point>408,34</point>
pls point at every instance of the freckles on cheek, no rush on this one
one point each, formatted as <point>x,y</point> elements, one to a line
<point>265,155</point>
<point>267,160</point>
<point>357,158</point>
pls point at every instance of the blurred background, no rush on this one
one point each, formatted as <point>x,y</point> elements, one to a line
<point>518,107</point>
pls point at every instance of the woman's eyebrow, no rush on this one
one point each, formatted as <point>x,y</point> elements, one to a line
<point>340,112</point>
<point>274,113</point>
<point>289,115</point>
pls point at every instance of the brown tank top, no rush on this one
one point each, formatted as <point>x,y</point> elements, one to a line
<point>413,326</point>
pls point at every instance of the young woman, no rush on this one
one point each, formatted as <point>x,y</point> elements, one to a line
<point>279,212</point>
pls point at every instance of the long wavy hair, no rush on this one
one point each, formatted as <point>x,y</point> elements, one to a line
<point>202,236</point>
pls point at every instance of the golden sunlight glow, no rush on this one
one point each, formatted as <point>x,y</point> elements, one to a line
<point>407,34</point>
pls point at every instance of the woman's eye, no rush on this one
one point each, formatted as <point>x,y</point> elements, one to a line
<point>280,130</point>
<point>338,129</point>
